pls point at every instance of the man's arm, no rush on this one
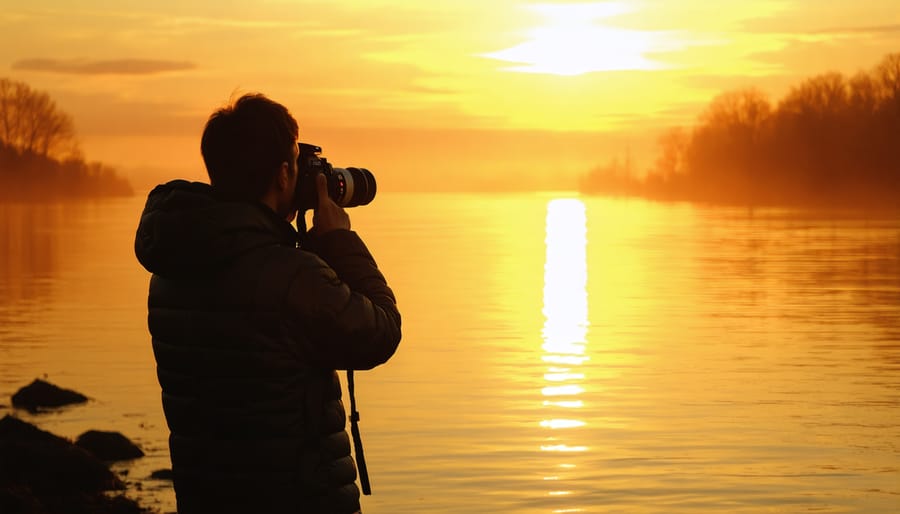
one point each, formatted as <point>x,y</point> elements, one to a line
<point>346,310</point>
<point>349,314</point>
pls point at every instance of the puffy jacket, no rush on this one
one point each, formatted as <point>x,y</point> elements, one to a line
<point>247,331</point>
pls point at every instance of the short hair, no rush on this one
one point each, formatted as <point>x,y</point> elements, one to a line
<point>244,144</point>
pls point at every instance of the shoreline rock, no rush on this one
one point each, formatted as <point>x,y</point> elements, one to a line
<point>109,446</point>
<point>47,474</point>
<point>162,474</point>
<point>41,394</point>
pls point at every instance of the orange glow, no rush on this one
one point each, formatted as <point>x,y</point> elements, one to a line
<point>424,89</point>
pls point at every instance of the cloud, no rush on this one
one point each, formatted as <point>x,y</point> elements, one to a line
<point>864,30</point>
<point>111,67</point>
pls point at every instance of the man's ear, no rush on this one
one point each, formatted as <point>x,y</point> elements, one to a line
<point>283,179</point>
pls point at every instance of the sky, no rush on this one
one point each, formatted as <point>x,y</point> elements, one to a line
<point>469,94</point>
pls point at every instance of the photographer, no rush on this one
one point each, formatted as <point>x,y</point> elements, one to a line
<point>249,326</point>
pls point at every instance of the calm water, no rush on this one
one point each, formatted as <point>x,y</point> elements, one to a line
<point>560,354</point>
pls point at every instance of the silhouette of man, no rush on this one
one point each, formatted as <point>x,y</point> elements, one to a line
<point>249,328</point>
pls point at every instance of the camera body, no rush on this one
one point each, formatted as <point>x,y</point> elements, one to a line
<point>348,187</point>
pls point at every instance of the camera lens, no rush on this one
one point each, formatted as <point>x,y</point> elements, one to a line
<point>356,186</point>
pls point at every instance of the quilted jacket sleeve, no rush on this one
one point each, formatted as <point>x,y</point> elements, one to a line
<point>345,310</point>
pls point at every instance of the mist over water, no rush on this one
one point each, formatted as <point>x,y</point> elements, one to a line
<point>560,353</point>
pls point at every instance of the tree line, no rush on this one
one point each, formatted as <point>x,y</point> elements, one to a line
<point>39,153</point>
<point>832,140</point>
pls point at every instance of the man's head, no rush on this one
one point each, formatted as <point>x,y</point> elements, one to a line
<point>247,146</point>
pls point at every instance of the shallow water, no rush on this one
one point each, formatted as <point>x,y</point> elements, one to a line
<point>560,354</point>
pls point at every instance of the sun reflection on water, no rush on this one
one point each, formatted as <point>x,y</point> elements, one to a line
<point>563,390</point>
<point>562,423</point>
<point>564,333</point>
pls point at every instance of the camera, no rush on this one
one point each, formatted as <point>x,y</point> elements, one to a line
<point>348,187</point>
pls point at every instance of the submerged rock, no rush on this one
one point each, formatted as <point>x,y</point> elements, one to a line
<point>40,394</point>
<point>43,473</point>
<point>162,474</point>
<point>109,446</point>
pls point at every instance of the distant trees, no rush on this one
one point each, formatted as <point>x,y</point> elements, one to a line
<point>722,153</point>
<point>31,122</point>
<point>829,140</point>
<point>39,156</point>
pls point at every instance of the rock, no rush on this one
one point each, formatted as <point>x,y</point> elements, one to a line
<point>43,473</point>
<point>109,446</point>
<point>43,461</point>
<point>162,474</point>
<point>13,429</point>
<point>40,394</point>
<point>18,499</point>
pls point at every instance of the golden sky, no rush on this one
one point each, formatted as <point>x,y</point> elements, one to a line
<point>489,92</point>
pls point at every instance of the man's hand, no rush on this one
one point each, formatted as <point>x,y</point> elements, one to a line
<point>328,215</point>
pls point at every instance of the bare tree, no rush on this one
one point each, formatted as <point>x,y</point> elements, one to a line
<point>722,146</point>
<point>673,144</point>
<point>817,98</point>
<point>743,110</point>
<point>31,122</point>
<point>888,74</point>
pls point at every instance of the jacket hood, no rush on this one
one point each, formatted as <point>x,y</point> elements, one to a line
<point>185,230</point>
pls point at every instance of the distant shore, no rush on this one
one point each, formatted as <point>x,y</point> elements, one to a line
<point>875,200</point>
<point>831,141</point>
<point>32,177</point>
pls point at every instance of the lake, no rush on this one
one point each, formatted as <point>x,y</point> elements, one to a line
<point>560,353</point>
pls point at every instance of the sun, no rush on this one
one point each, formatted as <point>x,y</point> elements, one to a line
<point>572,42</point>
